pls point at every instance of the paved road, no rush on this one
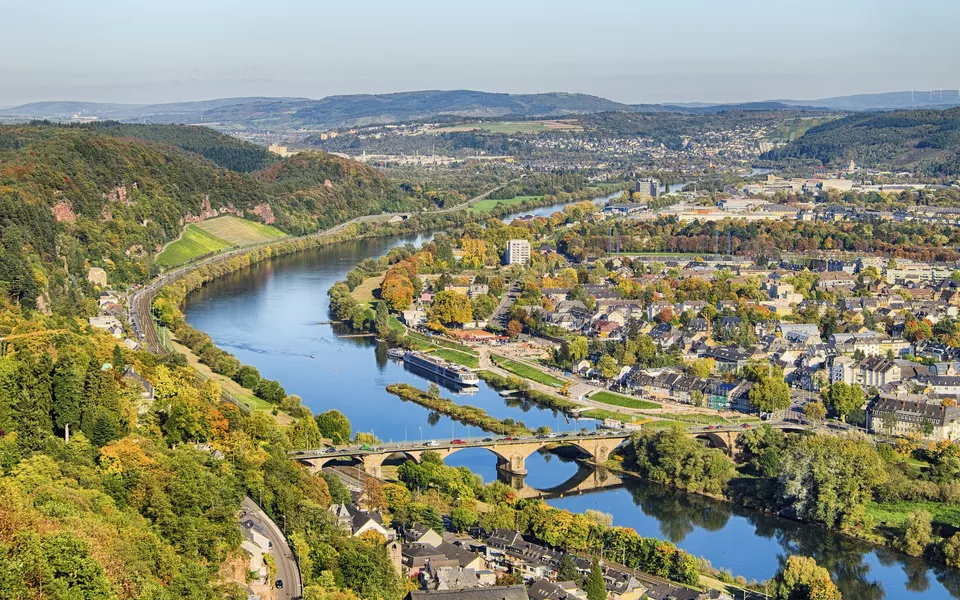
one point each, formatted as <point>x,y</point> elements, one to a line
<point>287,569</point>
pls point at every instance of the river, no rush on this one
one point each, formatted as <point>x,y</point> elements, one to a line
<point>267,315</point>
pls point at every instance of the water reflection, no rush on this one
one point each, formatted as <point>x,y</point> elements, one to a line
<point>755,544</point>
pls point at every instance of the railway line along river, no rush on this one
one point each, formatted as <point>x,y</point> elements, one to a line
<point>268,316</point>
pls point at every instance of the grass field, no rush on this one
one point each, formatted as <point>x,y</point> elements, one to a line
<point>793,128</point>
<point>364,293</point>
<point>892,514</point>
<point>193,243</point>
<point>239,231</point>
<point>623,401</point>
<point>488,205</point>
<point>600,414</point>
<point>528,372</point>
<point>210,236</point>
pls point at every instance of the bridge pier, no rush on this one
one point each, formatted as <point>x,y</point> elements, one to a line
<point>516,481</point>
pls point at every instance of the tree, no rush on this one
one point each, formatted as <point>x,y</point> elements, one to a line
<point>118,362</point>
<point>375,496</point>
<point>433,390</point>
<point>771,394</point>
<point>701,367</point>
<point>950,547</point>
<point>829,479</point>
<point>800,578</point>
<point>568,569</point>
<point>514,328</point>
<point>247,376</point>
<point>106,428</point>
<point>463,519</point>
<point>450,307</point>
<point>270,390</point>
<point>843,399</point>
<point>608,367</point>
<point>595,586</point>
<point>334,425</point>
<point>916,533</point>
<point>382,320</point>
<point>815,411</point>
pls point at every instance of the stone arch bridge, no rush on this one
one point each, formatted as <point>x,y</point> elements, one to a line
<point>511,453</point>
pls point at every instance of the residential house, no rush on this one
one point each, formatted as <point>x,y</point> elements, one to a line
<point>544,589</point>
<point>512,592</point>
<point>874,371</point>
<point>728,358</point>
<point>928,418</point>
<point>418,533</point>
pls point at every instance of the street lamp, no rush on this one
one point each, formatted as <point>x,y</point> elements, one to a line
<point>420,427</point>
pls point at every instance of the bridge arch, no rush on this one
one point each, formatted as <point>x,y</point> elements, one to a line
<point>712,440</point>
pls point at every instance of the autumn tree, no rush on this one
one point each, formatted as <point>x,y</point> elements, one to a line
<point>450,307</point>
<point>800,578</point>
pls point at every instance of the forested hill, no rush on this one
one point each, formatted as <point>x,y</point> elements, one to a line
<point>73,197</point>
<point>228,152</point>
<point>925,139</point>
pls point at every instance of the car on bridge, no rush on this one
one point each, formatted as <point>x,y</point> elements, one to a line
<point>457,442</point>
<point>431,443</point>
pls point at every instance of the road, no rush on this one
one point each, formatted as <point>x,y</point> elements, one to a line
<point>287,569</point>
<point>464,442</point>
<point>501,313</point>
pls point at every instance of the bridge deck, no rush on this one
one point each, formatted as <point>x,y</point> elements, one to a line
<point>474,442</point>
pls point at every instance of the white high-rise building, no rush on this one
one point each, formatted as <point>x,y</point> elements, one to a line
<point>518,252</point>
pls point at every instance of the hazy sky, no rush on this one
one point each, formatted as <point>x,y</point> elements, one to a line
<point>631,51</point>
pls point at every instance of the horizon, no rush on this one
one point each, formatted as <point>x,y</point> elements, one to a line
<point>628,52</point>
<point>307,98</point>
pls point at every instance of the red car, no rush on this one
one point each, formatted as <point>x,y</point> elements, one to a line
<point>457,442</point>
<point>508,439</point>
<point>746,425</point>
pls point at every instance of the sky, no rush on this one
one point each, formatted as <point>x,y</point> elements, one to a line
<point>635,51</point>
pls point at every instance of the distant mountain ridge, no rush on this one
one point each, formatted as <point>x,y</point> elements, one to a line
<point>263,113</point>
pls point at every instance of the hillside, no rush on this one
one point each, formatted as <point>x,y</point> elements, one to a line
<point>928,140</point>
<point>259,114</point>
<point>73,197</point>
<point>227,152</point>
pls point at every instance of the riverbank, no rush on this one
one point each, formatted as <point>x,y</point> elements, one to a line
<point>466,415</point>
<point>740,493</point>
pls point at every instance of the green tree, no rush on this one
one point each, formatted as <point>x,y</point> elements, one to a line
<point>334,425</point>
<point>106,428</point>
<point>118,361</point>
<point>771,394</point>
<point>950,548</point>
<point>608,367</point>
<point>916,533</point>
<point>595,587</point>
<point>382,321</point>
<point>843,399</point>
<point>247,376</point>
<point>829,479</point>
<point>568,569</point>
<point>463,519</point>
<point>270,390</point>
<point>800,578</point>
